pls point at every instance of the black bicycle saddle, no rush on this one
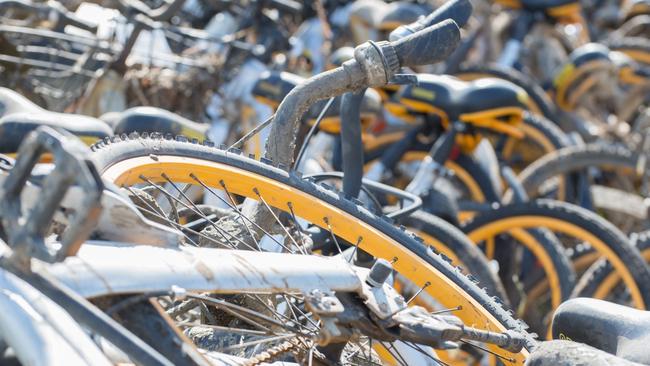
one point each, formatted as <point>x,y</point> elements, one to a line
<point>545,4</point>
<point>20,116</point>
<point>273,86</point>
<point>14,127</point>
<point>613,328</point>
<point>152,119</point>
<point>451,97</point>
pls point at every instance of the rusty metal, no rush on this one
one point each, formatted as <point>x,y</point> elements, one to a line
<point>274,352</point>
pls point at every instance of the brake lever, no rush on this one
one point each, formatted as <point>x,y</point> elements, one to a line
<point>403,79</point>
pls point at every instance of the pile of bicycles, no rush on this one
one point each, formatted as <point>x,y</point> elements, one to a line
<point>272,182</point>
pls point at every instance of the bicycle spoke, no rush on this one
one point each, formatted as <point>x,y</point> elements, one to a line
<point>200,213</point>
<point>508,359</point>
<point>236,209</point>
<point>257,192</point>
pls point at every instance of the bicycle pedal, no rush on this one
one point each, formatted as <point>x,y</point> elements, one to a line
<point>26,220</point>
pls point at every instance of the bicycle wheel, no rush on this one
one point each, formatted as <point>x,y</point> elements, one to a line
<point>612,173</point>
<point>573,222</point>
<point>541,137</point>
<point>451,242</point>
<point>129,161</point>
<point>534,270</point>
<point>600,281</point>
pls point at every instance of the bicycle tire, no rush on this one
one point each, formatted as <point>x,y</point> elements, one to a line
<point>567,353</point>
<point>122,159</point>
<point>600,279</point>
<point>576,221</point>
<point>568,162</point>
<point>540,134</point>
<point>450,241</point>
<point>576,158</point>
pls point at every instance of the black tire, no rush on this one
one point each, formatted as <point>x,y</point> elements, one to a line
<point>440,202</point>
<point>561,264</point>
<point>579,217</point>
<point>621,206</point>
<point>534,91</point>
<point>469,255</point>
<point>554,138</point>
<point>550,130</point>
<point>574,159</point>
<point>567,353</point>
<point>599,271</point>
<point>116,149</point>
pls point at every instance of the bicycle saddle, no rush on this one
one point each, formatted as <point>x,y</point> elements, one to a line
<point>12,102</point>
<point>613,328</point>
<point>489,103</point>
<point>273,86</point>
<point>14,127</point>
<point>399,13</point>
<point>152,119</point>
<point>566,353</point>
<point>545,4</point>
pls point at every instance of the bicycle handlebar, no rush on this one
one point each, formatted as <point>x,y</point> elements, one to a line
<point>374,64</point>
<point>428,46</point>
<point>456,10</point>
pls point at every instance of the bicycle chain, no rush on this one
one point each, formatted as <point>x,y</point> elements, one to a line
<point>273,352</point>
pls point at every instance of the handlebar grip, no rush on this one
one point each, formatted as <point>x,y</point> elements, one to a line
<point>428,46</point>
<point>456,10</point>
